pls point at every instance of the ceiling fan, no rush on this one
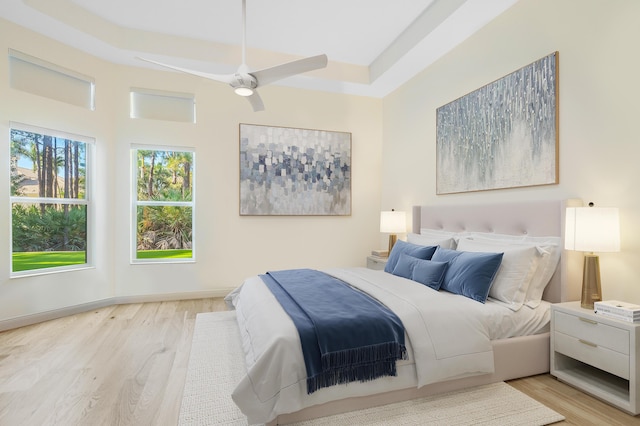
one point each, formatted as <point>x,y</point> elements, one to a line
<point>244,81</point>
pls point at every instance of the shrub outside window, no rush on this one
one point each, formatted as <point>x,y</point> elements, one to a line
<point>163,205</point>
<point>49,199</point>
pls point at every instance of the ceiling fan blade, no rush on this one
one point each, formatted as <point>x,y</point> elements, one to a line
<point>223,78</point>
<point>256,101</point>
<point>269,75</point>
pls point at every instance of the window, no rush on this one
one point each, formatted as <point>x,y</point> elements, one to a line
<point>163,205</point>
<point>49,200</point>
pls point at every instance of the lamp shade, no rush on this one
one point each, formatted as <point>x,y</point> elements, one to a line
<point>393,222</point>
<point>592,229</point>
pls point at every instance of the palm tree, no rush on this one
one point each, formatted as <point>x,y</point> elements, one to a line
<point>179,163</point>
<point>47,166</point>
<point>186,167</point>
<point>173,164</point>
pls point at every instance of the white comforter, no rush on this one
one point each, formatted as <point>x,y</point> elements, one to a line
<point>447,337</point>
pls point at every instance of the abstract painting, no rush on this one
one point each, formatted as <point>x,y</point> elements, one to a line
<point>289,171</point>
<point>503,135</point>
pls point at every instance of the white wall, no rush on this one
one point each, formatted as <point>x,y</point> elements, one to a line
<point>599,66</point>
<point>229,247</point>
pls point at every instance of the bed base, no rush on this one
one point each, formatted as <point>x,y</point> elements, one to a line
<point>513,358</point>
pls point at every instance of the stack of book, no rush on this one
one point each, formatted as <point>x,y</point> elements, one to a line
<point>618,310</point>
<point>380,253</point>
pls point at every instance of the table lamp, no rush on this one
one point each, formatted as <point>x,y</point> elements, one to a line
<point>592,229</point>
<point>393,223</point>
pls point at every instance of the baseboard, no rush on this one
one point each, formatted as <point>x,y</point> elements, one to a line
<point>166,297</point>
<point>31,319</point>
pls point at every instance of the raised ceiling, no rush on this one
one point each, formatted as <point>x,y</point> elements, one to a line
<point>373,46</point>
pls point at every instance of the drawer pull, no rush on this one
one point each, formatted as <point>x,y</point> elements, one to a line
<point>588,320</point>
<point>588,343</point>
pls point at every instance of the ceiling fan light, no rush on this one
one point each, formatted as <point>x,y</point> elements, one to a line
<point>244,91</point>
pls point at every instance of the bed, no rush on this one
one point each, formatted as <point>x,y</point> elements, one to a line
<point>273,391</point>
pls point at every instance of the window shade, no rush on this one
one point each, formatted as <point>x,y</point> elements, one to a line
<point>34,75</point>
<point>161,105</point>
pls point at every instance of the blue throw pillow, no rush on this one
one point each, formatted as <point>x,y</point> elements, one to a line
<point>404,266</point>
<point>430,273</point>
<point>469,274</point>
<point>425,272</point>
<point>400,247</point>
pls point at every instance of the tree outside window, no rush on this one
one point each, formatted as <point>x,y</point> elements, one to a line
<point>49,200</point>
<point>163,205</point>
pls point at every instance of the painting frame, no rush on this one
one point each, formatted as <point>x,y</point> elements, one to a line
<point>502,135</point>
<point>289,171</point>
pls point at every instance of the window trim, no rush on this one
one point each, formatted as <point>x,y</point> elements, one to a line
<point>135,203</point>
<point>87,201</point>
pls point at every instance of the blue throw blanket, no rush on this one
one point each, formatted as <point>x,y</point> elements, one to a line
<point>346,335</point>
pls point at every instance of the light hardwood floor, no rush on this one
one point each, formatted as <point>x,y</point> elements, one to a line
<point>126,365</point>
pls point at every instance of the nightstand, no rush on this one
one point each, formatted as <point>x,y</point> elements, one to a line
<point>376,262</point>
<point>596,354</point>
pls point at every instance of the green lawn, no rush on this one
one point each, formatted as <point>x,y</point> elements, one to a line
<point>27,261</point>
<point>164,254</point>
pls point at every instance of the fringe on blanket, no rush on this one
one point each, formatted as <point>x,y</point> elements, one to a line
<point>364,355</point>
<point>359,364</point>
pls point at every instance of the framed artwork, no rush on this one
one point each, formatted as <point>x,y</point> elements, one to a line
<point>288,171</point>
<point>503,135</point>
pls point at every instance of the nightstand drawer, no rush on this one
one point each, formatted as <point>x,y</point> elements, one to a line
<point>603,335</point>
<point>590,353</point>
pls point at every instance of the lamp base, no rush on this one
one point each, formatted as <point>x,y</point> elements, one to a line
<point>591,290</point>
<point>392,240</point>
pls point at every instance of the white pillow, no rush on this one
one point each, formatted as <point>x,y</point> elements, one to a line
<point>546,269</point>
<point>438,232</point>
<point>425,240</point>
<point>519,264</point>
<point>524,238</point>
<point>550,249</point>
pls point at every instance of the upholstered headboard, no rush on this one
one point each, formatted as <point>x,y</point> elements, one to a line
<point>539,218</point>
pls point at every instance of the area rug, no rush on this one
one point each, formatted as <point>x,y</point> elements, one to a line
<point>215,366</point>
